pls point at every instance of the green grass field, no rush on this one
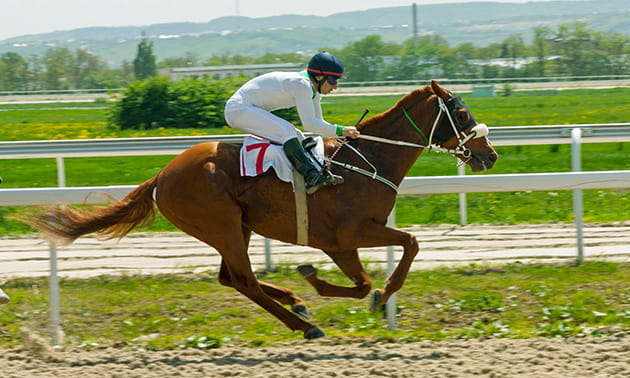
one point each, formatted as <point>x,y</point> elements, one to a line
<point>195,311</point>
<point>525,108</point>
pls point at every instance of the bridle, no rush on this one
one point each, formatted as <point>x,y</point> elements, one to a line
<point>479,130</point>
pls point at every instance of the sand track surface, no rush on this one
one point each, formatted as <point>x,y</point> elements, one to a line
<point>440,245</point>
<point>588,357</point>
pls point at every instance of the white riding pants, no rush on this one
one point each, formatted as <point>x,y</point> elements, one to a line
<point>260,122</point>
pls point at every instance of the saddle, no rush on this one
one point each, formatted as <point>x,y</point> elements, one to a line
<point>258,155</point>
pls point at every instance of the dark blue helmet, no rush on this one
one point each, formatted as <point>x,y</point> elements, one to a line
<point>326,64</point>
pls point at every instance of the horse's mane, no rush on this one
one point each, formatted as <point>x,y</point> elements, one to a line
<point>405,103</point>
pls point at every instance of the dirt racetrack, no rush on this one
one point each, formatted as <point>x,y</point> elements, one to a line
<point>440,245</point>
<point>601,357</point>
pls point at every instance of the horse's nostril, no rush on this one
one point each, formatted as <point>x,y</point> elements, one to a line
<point>493,157</point>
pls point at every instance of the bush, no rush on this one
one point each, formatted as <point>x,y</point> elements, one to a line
<point>144,105</point>
<point>158,102</point>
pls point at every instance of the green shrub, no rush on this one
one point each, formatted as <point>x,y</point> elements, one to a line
<point>188,103</point>
<point>144,105</point>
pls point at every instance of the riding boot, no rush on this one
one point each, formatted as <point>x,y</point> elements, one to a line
<point>304,164</point>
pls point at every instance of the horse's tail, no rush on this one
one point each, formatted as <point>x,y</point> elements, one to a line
<point>63,224</point>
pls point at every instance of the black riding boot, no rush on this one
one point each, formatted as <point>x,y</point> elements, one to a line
<point>303,163</point>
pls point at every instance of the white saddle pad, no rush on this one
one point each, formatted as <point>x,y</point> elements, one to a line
<point>258,155</point>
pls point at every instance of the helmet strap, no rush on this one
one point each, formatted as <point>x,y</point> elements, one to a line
<point>319,84</point>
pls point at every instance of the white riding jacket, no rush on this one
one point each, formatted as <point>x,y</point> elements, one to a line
<point>273,91</point>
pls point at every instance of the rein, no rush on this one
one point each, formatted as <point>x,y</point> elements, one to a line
<point>478,131</point>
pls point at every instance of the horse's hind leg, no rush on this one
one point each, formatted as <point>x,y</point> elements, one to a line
<point>278,293</point>
<point>233,249</point>
<point>350,264</point>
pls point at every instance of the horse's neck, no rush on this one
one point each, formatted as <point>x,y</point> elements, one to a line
<point>391,161</point>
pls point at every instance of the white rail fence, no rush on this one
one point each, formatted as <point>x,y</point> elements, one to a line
<point>410,186</point>
<point>501,136</point>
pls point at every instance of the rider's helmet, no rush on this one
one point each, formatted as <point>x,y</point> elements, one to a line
<point>325,64</point>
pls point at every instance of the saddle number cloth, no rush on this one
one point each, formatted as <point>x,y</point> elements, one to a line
<point>258,155</point>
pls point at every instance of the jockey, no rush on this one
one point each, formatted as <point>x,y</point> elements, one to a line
<point>249,110</point>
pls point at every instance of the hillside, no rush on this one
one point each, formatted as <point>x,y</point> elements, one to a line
<point>480,23</point>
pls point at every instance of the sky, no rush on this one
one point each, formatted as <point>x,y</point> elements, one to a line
<point>22,17</point>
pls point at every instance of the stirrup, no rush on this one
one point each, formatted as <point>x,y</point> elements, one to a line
<point>326,178</point>
<point>314,183</point>
<point>335,179</point>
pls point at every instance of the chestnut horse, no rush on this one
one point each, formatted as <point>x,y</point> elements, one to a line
<point>202,192</point>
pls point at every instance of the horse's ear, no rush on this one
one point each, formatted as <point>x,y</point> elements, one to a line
<point>439,90</point>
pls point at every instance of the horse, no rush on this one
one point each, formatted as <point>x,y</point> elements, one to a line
<point>202,193</point>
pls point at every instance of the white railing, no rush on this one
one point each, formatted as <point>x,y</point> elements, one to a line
<point>500,136</point>
<point>410,186</point>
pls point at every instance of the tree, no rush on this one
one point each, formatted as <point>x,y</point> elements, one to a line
<point>86,65</point>
<point>58,66</point>
<point>144,63</point>
<point>513,48</point>
<point>13,72</point>
<point>404,65</point>
<point>541,48</point>
<point>431,50</point>
<point>618,57</point>
<point>576,44</point>
<point>363,59</point>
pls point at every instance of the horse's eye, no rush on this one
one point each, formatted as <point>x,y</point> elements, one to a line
<point>463,115</point>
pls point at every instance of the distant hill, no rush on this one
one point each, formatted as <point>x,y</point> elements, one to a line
<point>480,23</point>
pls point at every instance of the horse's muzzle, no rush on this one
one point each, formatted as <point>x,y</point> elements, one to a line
<point>480,162</point>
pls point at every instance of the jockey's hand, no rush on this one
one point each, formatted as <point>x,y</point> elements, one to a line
<point>350,132</point>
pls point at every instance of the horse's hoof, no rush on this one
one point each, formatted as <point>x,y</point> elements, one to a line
<point>3,297</point>
<point>300,310</point>
<point>306,269</point>
<point>376,300</point>
<point>313,333</point>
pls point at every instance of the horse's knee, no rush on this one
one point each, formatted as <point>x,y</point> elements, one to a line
<point>412,246</point>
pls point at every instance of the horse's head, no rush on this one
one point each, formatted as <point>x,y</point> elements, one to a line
<point>456,130</point>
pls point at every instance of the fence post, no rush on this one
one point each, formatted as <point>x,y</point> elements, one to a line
<point>53,290</point>
<point>578,211</point>
<point>53,279</point>
<point>390,306</point>
<point>463,207</point>
<point>61,172</point>
<point>268,262</point>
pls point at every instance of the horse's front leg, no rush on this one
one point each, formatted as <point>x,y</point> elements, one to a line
<point>350,264</point>
<point>377,235</point>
